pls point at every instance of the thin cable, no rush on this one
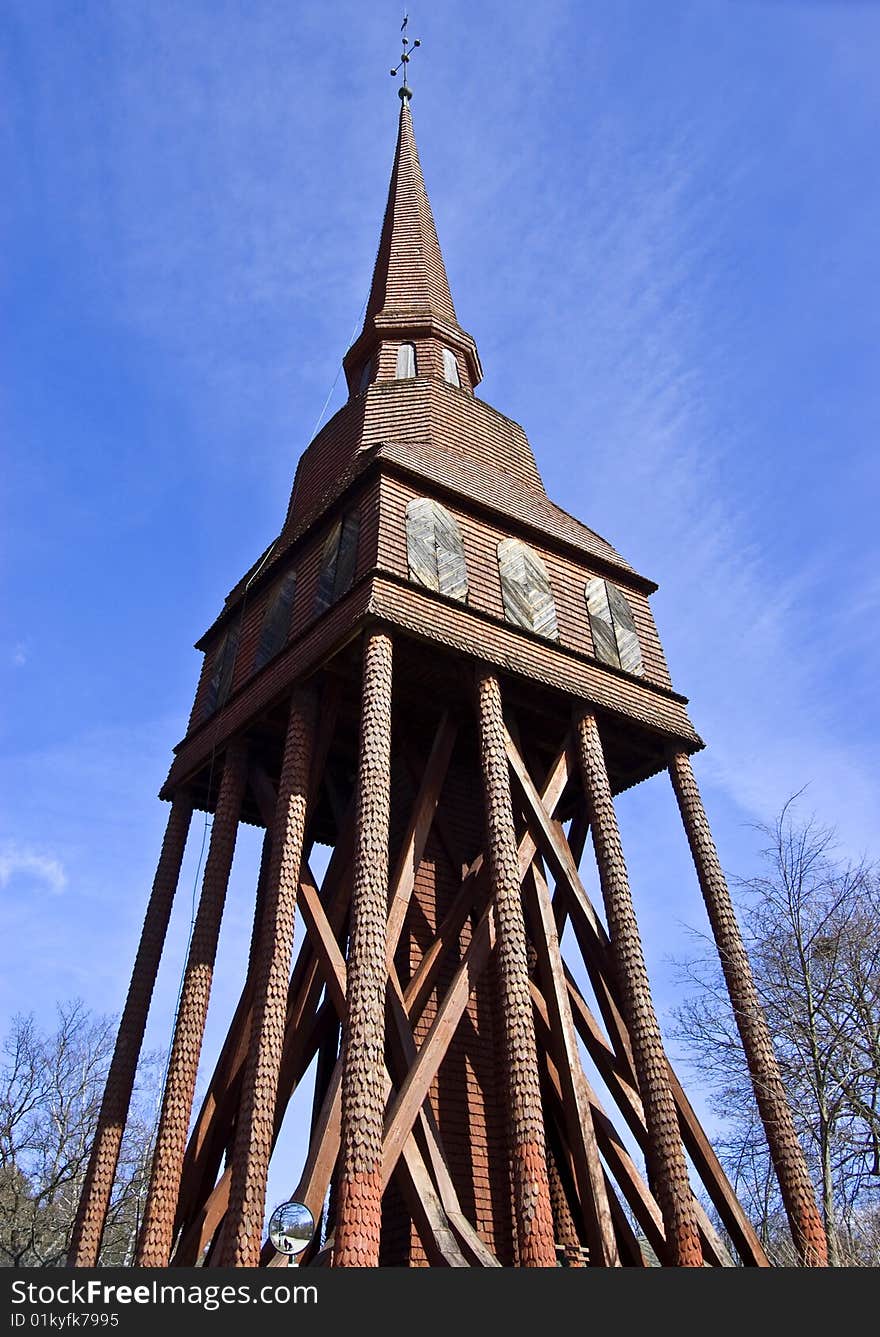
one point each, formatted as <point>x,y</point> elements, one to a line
<point>351,338</point>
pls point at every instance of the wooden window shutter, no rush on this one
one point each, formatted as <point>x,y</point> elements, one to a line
<point>406,362</point>
<point>525,589</point>
<point>615,638</point>
<point>450,367</point>
<point>434,550</point>
<point>276,621</point>
<point>222,669</point>
<point>338,561</point>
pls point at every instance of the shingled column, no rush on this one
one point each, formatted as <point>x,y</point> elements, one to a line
<point>359,1206</point>
<point>85,1244</point>
<point>785,1149</point>
<point>563,1221</point>
<point>665,1153</point>
<point>158,1229</point>
<point>531,1191</point>
<point>256,1119</point>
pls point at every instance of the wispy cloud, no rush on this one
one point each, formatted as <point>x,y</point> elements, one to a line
<point>22,861</point>
<point>19,654</point>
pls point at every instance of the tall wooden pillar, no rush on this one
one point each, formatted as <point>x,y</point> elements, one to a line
<point>85,1244</point>
<point>156,1236</point>
<point>531,1191</point>
<point>359,1206</point>
<point>785,1149</point>
<point>256,1118</point>
<point>665,1153</point>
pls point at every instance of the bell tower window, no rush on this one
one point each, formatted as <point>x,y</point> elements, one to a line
<point>450,367</point>
<point>338,561</point>
<point>276,621</point>
<point>615,638</point>
<point>525,589</point>
<point>406,362</point>
<point>222,669</point>
<point>434,550</point>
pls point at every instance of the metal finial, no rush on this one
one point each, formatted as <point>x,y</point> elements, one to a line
<point>405,56</point>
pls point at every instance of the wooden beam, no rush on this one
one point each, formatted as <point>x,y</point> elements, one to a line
<point>414,1091</point>
<point>630,1182</point>
<point>630,1104</point>
<point>417,1083</point>
<point>473,895</point>
<point>575,1091</point>
<point>593,940</point>
<point>424,1205</point>
<point>302,1027</point>
<point>416,835</point>
<point>630,1250</point>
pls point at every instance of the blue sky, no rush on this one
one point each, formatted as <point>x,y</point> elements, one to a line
<point>660,223</point>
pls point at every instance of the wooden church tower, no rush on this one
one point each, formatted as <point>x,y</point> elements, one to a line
<point>446,677</point>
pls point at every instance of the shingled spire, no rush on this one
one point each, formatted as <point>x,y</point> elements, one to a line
<point>409,295</point>
<point>409,275</point>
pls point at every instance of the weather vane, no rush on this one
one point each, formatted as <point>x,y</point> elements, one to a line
<point>405,90</point>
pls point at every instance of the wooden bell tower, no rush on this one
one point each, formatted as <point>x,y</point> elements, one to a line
<point>446,677</point>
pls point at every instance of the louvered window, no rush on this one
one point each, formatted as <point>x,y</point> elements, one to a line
<point>276,621</point>
<point>525,589</point>
<point>615,637</point>
<point>406,362</point>
<point>338,561</point>
<point>434,550</point>
<point>450,367</point>
<point>222,669</point>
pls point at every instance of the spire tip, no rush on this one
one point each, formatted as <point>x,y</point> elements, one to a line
<point>405,92</point>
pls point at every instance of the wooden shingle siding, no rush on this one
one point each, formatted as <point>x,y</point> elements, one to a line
<point>435,554</point>
<point>525,589</point>
<point>458,629</point>
<point>480,539</point>
<point>276,621</point>
<point>615,638</point>
<point>420,410</point>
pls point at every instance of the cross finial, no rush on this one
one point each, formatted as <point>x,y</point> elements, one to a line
<point>405,90</point>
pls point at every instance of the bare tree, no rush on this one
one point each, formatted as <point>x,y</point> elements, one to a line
<point>50,1093</point>
<point>812,927</point>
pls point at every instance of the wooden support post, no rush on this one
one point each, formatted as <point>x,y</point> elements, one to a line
<point>531,1191</point>
<point>85,1244</point>
<point>210,1135</point>
<point>665,1153</point>
<point>359,1208</point>
<point>256,1118</point>
<point>785,1149</point>
<point>156,1237</point>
